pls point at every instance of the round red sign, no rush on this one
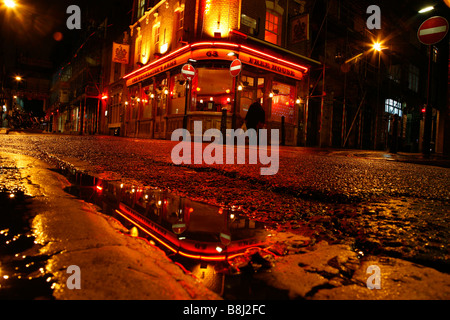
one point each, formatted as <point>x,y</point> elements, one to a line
<point>235,67</point>
<point>179,228</point>
<point>188,72</point>
<point>432,30</point>
<point>225,238</point>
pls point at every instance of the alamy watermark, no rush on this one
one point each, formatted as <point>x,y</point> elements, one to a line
<point>214,152</point>
<point>74,280</point>
<point>374,281</point>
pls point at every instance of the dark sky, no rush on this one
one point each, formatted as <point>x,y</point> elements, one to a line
<point>32,25</point>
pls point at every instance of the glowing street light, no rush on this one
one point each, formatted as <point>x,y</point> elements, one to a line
<point>426,9</point>
<point>18,78</point>
<point>377,46</point>
<point>10,3</point>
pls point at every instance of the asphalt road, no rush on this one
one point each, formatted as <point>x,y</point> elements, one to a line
<point>363,200</point>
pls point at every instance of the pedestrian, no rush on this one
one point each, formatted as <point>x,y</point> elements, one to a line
<point>256,116</point>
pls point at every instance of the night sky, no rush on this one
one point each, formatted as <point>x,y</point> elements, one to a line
<point>34,25</point>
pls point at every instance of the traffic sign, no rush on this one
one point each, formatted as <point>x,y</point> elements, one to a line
<point>235,67</point>
<point>179,228</point>
<point>225,238</point>
<point>432,30</point>
<point>188,72</point>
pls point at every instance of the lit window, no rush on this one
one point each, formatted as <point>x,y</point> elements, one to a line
<point>393,107</point>
<point>272,29</point>
<point>157,30</point>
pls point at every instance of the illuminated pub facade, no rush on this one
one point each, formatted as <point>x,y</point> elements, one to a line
<point>210,34</point>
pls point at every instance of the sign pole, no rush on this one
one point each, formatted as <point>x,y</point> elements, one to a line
<point>233,116</point>
<point>426,143</point>
<point>186,102</point>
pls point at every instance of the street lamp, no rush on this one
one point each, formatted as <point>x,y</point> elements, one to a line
<point>426,9</point>
<point>10,3</point>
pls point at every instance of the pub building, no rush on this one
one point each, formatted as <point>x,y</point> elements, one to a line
<point>209,35</point>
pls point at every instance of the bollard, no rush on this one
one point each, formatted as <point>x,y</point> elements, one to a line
<point>223,124</point>
<point>283,132</point>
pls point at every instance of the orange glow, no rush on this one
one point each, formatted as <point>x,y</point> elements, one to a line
<point>213,257</point>
<point>178,57</point>
<point>220,16</point>
<point>10,3</point>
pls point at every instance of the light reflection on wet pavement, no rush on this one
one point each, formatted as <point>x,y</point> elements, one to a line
<point>22,270</point>
<point>380,208</point>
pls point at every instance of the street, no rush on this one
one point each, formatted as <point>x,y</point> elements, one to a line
<point>334,212</point>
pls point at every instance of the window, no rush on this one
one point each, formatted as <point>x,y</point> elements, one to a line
<point>272,29</point>
<point>138,46</point>
<point>212,90</point>
<point>141,8</point>
<point>157,31</point>
<point>179,27</point>
<point>283,102</point>
<point>413,78</point>
<point>393,107</point>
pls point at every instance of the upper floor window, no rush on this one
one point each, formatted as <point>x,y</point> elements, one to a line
<point>272,28</point>
<point>157,31</point>
<point>179,25</point>
<point>141,8</point>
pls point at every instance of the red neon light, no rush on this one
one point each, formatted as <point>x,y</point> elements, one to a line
<point>179,251</point>
<point>156,61</point>
<point>220,44</point>
<point>274,58</point>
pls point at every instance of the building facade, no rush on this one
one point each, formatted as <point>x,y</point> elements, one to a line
<point>311,64</point>
<point>166,35</point>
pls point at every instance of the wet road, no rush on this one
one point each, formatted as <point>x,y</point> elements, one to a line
<point>376,206</point>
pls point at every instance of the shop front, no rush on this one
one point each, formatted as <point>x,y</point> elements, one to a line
<point>159,96</point>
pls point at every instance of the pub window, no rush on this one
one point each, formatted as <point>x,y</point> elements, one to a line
<point>272,28</point>
<point>283,102</point>
<point>212,90</point>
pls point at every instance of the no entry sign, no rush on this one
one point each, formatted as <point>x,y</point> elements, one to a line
<point>235,67</point>
<point>432,30</point>
<point>179,228</point>
<point>225,238</point>
<point>188,72</point>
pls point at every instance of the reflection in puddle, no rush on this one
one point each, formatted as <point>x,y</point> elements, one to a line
<point>218,245</point>
<point>21,276</point>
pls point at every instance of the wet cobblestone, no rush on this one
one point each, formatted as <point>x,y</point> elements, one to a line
<point>376,206</point>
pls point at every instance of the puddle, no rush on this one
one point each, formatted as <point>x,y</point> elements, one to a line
<point>220,246</point>
<point>21,276</point>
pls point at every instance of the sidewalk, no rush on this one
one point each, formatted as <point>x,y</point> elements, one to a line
<point>113,265</point>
